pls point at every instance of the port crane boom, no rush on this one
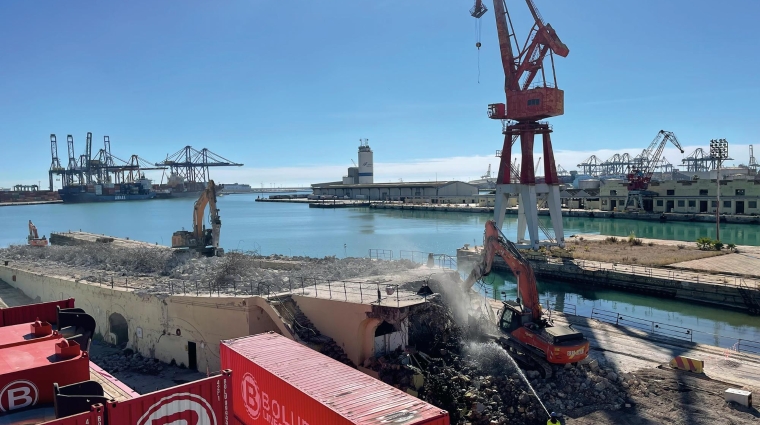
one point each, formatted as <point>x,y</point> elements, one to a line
<point>531,95</point>
<point>640,177</point>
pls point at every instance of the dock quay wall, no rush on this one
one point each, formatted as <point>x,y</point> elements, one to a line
<point>700,218</point>
<point>165,327</point>
<point>638,281</point>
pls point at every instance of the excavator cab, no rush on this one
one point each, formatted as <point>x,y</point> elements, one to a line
<point>512,316</point>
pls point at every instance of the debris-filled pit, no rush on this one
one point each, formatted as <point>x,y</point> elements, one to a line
<point>457,369</point>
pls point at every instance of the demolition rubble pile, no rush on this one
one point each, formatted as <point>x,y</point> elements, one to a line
<point>477,382</point>
<point>128,360</point>
<point>160,270</point>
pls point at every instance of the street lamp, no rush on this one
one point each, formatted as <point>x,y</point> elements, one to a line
<point>719,152</point>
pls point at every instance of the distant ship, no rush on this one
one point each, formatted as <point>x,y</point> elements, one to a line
<point>109,192</point>
<point>236,188</point>
<point>177,187</point>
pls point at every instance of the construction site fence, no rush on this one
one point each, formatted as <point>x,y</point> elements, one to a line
<point>673,275</point>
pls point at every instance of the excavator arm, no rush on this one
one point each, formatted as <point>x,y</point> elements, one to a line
<point>33,231</point>
<point>495,243</point>
<point>198,212</point>
<point>200,239</point>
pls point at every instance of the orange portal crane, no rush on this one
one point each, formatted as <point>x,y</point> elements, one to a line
<point>202,240</point>
<point>34,238</point>
<point>529,337</point>
<point>528,100</point>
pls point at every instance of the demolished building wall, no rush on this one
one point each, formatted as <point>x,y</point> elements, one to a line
<point>156,326</point>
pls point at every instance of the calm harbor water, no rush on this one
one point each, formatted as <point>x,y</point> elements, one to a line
<point>296,229</point>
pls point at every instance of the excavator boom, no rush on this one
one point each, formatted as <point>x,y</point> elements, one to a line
<point>34,239</point>
<point>495,243</point>
<point>529,338</point>
<point>205,241</point>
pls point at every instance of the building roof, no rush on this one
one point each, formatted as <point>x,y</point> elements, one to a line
<point>340,185</point>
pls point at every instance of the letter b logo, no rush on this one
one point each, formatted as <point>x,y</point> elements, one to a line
<point>17,395</point>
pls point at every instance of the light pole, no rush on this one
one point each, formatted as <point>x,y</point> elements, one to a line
<point>719,152</point>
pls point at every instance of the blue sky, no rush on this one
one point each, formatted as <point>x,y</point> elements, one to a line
<point>289,88</point>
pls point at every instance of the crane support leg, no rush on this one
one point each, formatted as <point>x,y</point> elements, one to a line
<point>529,199</point>
<point>550,168</point>
<point>521,223</point>
<point>501,203</point>
<point>555,211</point>
<point>505,165</point>
<point>527,172</point>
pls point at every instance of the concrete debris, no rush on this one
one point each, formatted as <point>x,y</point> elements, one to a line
<point>160,270</point>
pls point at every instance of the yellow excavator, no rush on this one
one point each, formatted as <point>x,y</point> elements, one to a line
<point>202,240</point>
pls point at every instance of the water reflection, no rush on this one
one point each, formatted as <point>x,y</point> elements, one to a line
<point>725,324</point>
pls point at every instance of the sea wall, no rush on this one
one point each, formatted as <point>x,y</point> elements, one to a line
<point>622,280</point>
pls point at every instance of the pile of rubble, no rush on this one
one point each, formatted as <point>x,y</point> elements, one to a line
<point>577,391</point>
<point>128,360</point>
<point>481,385</point>
<point>160,270</point>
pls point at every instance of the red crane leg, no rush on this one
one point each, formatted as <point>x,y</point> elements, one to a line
<point>527,173</point>
<point>505,166</point>
<point>550,168</point>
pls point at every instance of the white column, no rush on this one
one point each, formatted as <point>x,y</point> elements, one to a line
<point>555,211</point>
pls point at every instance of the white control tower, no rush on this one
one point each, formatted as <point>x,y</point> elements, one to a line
<point>365,162</point>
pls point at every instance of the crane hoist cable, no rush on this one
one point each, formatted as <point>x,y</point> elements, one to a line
<point>477,43</point>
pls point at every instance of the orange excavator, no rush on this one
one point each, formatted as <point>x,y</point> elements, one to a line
<point>34,238</point>
<point>205,241</point>
<point>526,334</point>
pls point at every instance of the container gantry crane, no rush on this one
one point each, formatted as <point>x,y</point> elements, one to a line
<point>528,100</point>
<point>639,178</point>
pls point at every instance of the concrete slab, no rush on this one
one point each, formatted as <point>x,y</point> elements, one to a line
<point>739,263</point>
<point>12,297</point>
<point>387,291</point>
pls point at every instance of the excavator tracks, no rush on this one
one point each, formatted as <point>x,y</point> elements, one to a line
<point>526,356</point>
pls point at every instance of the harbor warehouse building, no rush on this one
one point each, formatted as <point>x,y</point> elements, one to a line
<point>429,192</point>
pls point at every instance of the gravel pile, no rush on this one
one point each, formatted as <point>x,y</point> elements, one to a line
<point>160,270</point>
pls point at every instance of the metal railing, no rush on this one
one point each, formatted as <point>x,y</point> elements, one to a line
<point>381,254</point>
<point>414,256</point>
<point>673,331</point>
<point>346,290</point>
<point>673,275</point>
<point>444,261</point>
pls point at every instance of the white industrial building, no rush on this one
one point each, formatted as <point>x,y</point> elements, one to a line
<point>455,192</point>
<point>359,184</point>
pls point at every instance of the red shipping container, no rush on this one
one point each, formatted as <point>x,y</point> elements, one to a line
<point>278,381</point>
<point>28,372</point>
<point>203,402</point>
<point>93,417</point>
<point>26,333</point>
<point>46,312</point>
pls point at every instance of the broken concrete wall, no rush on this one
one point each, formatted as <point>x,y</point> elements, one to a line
<point>346,323</point>
<point>156,326</point>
